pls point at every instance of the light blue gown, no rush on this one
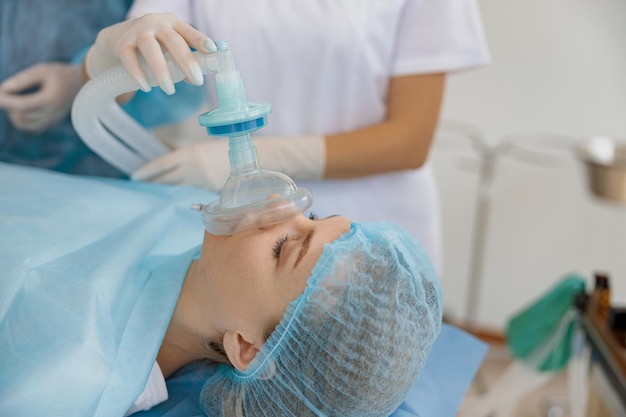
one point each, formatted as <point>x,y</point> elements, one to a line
<point>91,269</point>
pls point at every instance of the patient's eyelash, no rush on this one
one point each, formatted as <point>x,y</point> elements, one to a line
<point>278,246</point>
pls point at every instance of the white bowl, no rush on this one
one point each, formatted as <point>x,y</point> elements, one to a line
<point>605,162</point>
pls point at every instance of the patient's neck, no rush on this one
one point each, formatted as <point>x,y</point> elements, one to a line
<point>183,342</point>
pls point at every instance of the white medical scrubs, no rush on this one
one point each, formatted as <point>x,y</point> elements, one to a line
<point>324,66</point>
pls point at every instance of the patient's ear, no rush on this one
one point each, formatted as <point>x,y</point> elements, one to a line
<point>240,352</point>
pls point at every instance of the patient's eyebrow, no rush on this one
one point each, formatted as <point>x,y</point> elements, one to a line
<point>305,247</point>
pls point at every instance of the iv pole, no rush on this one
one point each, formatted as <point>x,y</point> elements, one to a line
<point>488,157</point>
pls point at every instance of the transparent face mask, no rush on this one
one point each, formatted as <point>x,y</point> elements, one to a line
<point>251,197</point>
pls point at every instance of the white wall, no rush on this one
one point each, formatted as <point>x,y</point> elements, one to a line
<point>558,67</point>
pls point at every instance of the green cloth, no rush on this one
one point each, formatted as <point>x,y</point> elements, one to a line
<point>546,324</point>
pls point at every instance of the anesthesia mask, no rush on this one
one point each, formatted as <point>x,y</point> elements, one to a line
<point>251,197</point>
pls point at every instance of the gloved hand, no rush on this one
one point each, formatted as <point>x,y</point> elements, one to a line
<point>206,165</point>
<point>203,165</point>
<point>55,84</point>
<point>149,37</point>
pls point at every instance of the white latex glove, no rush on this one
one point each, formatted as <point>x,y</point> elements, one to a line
<point>56,86</point>
<point>203,165</point>
<point>148,38</point>
<point>206,165</point>
<point>301,157</point>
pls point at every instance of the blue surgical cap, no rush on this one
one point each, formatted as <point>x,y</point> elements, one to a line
<point>352,344</point>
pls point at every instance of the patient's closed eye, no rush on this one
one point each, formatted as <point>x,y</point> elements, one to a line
<point>278,246</point>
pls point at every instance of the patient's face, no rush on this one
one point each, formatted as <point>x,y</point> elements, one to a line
<point>253,275</point>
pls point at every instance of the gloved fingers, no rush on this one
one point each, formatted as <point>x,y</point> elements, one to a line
<point>194,37</point>
<point>29,116</point>
<point>35,125</point>
<point>21,102</point>
<point>45,117</point>
<point>129,58</point>
<point>171,41</point>
<point>174,175</point>
<point>52,84</point>
<point>27,121</point>
<point>36,120</point>
<point>203,165</point>
<point>17,120</point>
<point>50,103</point>
<point>13,102</point>
<point>177,44</point>
<point>117,44</point>
<point>148,37</point>
<point>29,78</point>
<point>159,167</point>
<point>150,50</point>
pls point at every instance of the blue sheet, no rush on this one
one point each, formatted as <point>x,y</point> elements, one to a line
<point>91,270</point>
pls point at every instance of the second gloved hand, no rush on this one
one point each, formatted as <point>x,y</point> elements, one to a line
<point>203,165</point>
<point>54,86</point>
<point>206,164</point>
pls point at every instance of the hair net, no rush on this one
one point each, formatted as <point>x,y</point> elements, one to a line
<point>352,344</point>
